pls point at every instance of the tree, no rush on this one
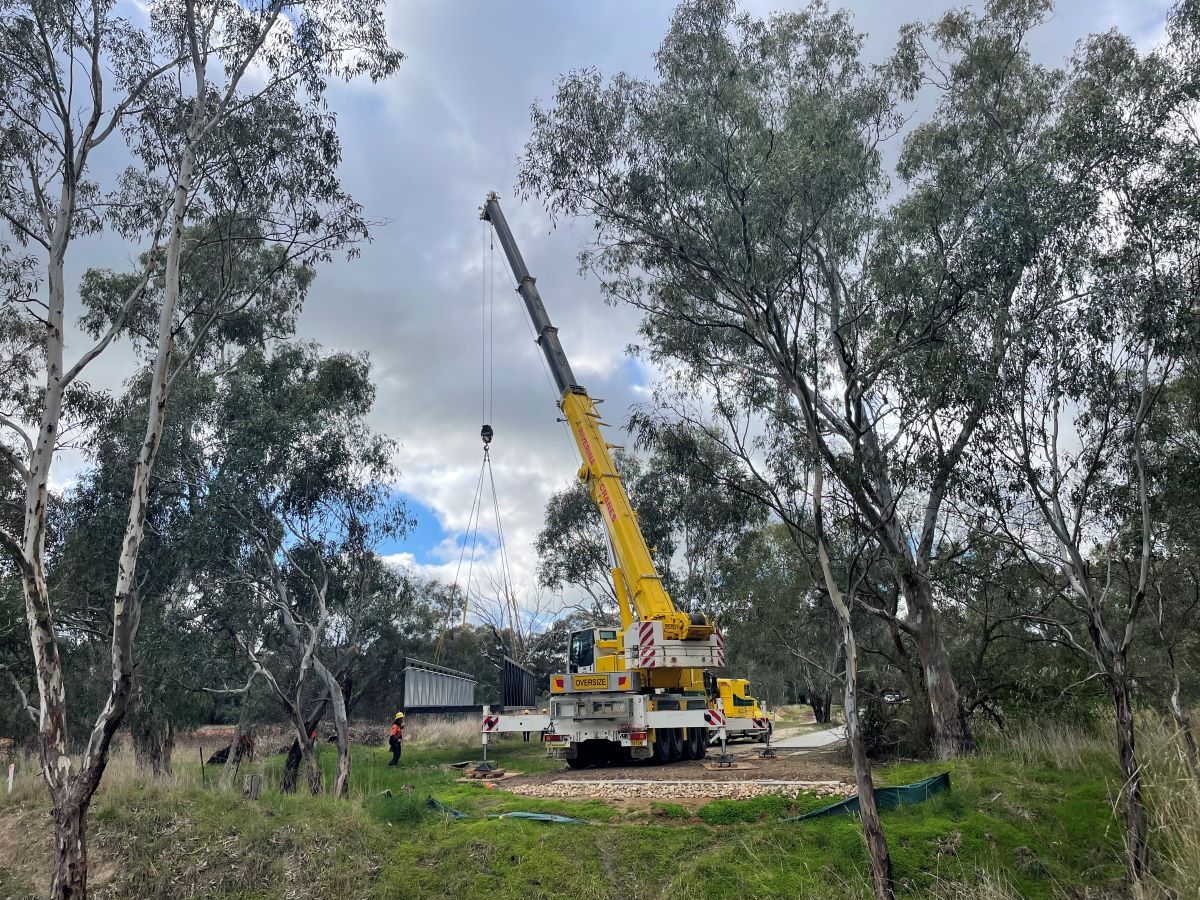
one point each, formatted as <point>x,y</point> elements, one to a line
<point>293,473</point>
<point>1113,331</point>
<point>572,547</point>
<point>691,521</point>
<point>775,603</point>
<point>739,202</point>
<point>57,109</point>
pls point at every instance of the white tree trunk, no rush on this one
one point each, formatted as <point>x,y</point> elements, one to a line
<point>341,778</point>
<point>877,849</point>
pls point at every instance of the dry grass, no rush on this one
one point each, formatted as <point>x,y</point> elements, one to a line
<point>441,731</point>
<point>990,886</point>
<point>120,774</point>
<point>1055,745</point>
<point>1173,797</point>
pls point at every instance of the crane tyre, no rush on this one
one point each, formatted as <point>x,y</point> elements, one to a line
<point>676,744</point>
<point>662,745</point>
<point>689,743</point>
<point>584,757</point>
<point>619,756</point>
<point>699,738</point>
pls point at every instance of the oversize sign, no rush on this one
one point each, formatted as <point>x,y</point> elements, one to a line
<point>589,682</point>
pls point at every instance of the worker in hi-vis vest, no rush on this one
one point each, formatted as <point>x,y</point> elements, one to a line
<point>396,738</point>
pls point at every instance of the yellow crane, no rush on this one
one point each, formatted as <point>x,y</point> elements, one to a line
<point>639,690</point>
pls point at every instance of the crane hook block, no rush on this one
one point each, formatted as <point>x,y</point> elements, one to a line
<point>486,433</point>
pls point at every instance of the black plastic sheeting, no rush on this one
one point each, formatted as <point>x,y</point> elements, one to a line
<point>444,809</point>
<point>885,798</point>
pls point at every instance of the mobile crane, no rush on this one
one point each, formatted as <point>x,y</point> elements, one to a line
<point>641,690</point>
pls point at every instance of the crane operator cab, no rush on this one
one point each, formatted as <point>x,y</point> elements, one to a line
<point>594,650</point>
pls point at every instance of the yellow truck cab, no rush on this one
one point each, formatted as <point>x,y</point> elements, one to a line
<point>745,716</point>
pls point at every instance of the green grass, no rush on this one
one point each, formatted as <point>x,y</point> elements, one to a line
<point>14,886</point>
<point>1048,829</point>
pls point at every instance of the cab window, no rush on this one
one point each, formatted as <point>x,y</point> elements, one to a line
<point>582,652</point>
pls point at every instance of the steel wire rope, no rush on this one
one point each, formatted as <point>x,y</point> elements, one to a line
<point>510,594</point>
<point>472,517</point>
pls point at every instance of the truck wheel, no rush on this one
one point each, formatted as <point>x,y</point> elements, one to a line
<point>584,757</point>
<point>619,756</point>
<point>676,744</point>
<point>699,742</point>
<point>689,743</point>
<point>662,745</point>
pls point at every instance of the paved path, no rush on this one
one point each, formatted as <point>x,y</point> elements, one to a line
<point>814,740</point>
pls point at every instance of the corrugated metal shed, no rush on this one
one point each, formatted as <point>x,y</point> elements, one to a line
<point>426,684</point>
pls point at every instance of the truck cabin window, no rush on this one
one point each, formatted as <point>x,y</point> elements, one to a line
<point>583,650</point>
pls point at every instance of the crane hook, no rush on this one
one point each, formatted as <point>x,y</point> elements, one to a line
<point>486,433</point>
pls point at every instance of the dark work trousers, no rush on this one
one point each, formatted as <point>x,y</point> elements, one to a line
<point>396,745</point>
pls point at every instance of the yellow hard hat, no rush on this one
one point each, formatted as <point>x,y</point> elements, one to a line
<point>399,715</point>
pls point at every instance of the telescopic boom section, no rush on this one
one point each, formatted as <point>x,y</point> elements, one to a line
<point>639,588</point>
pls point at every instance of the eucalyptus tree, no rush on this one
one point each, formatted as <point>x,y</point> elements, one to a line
<point>690,517</point>
<point>293,472</point>
<point>774,604</point>
<point>572,547</point>
<point>739,201</point>
<point>77,74</point>
<point>702,498</point>
<point>91,519</point>
<point>1113,332</point>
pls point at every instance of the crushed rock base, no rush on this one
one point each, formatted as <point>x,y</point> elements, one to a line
<point>717,790</point>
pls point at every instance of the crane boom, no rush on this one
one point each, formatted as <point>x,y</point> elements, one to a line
<point>640,591</point>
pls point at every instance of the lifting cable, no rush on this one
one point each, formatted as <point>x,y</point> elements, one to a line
<point>487,383</point>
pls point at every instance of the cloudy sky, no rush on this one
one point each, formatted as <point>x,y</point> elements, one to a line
<point>420,152</point>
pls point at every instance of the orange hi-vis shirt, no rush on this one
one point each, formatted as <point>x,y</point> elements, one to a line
<point>397,731</point>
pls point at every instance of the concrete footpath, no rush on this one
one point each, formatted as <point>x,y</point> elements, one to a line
<point>814,740</point>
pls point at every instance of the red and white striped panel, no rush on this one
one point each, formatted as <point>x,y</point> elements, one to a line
<point>646,634</point>
<point>714,718</point>
<point>649,658</point>
<point>491,723</point>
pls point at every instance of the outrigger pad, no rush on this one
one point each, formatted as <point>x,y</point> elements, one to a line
<point>491,772</point>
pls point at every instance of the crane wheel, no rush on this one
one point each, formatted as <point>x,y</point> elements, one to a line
<point>619,756</point>
<point>676,744</point>
<point>662,745</point>
<point>585,755</point>
<point>689,743</point>
<point>701,743</point>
